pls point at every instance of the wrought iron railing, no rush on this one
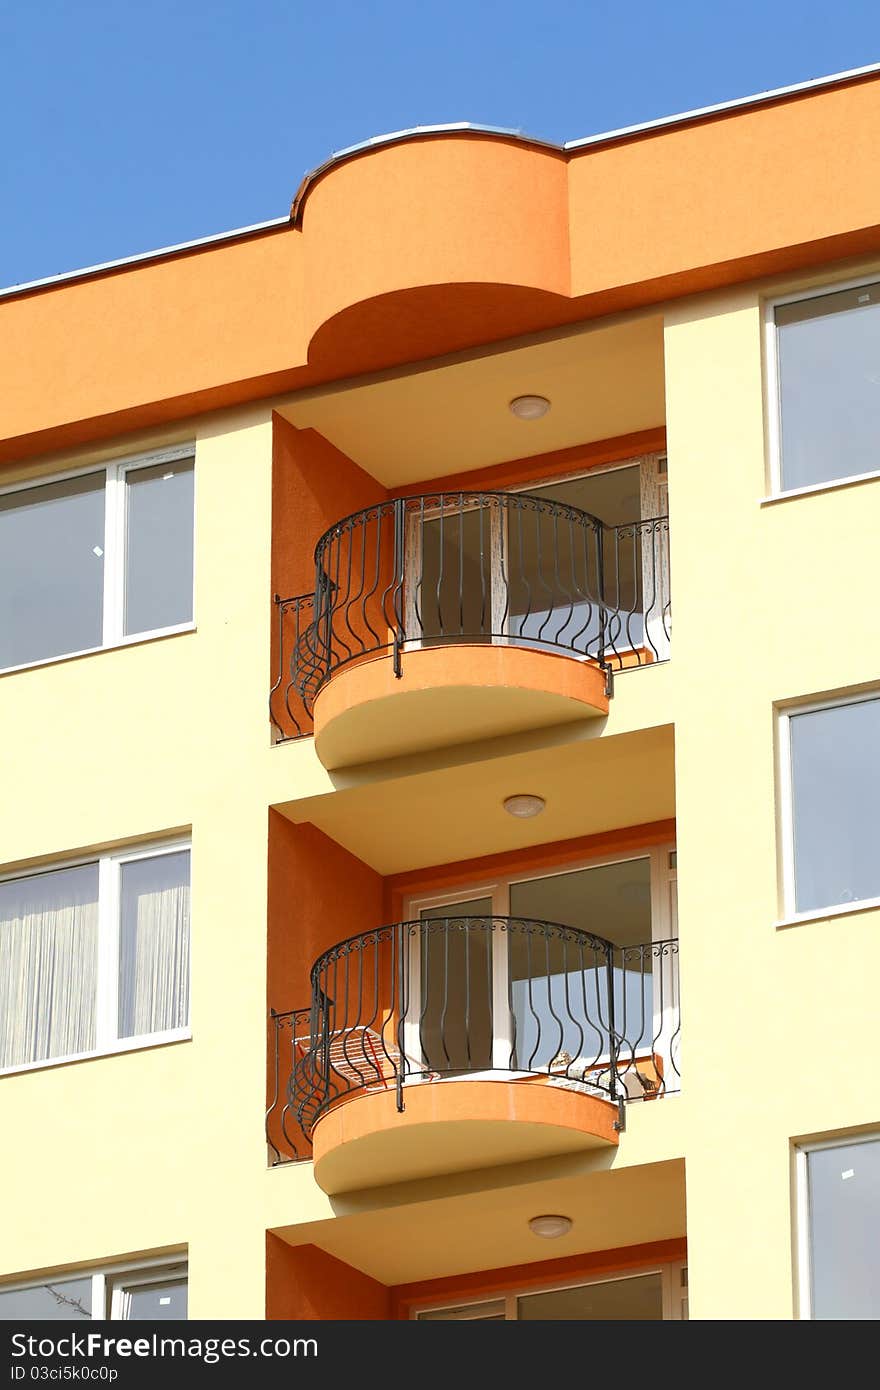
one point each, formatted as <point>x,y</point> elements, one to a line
<point>461,996</point>
<point>287,712</point>
<point>289,1039</point>
<point>447,567</point>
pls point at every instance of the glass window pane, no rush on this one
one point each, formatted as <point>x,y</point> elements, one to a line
<point>844,1204</point>
<point>553,567</point>
<point>155,1302</point>
<point>455,967</point>
<point>492,1311</point>
<point>48,965</point>
<point>51,569</point>
<point>60,1301</point>
<point>828,350</point>
<point>559,992</point>
<point>617,1300</point>
<point>154,944</point>
<point>159,546</point>
<point>835,755</point>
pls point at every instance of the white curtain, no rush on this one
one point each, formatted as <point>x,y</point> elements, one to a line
<point>154,949</point>
<point>48,965</point>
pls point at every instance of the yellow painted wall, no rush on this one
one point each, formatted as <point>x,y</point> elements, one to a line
<point>771,603</point>
<point>164,1148</point>
<point>161,1148</point>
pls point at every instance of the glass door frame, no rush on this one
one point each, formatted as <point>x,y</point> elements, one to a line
<point>673,1286</point>
<point>652,492</point>
<point>664,927</point>
<point>413,564</point>
<point>653,502</point>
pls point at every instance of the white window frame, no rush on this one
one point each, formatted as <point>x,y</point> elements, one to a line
<point>804,1272</point>
<point>774,392</point>
<point>785,715</point>
<point>673,1289</point>
<point>107,1040</point>
<point>115,544</point>
<point>652,478</point>
<point>108,1281</point>
<point>664,926</point>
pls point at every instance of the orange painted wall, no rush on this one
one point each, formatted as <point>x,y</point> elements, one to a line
<point>319,894</point>
<point>313,485</point>
<point>442,243</point>
<point>443,878</point>
<point>494,1281</point>
<point>306,1284</point>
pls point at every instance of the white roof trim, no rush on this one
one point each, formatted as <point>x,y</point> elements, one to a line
<point>237,234</point>
<point>452,128</point>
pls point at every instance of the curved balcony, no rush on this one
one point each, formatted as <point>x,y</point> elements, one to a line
<point>450,617</point>
<point>449,1043</point>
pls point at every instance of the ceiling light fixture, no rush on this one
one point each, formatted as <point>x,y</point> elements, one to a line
<point>529,407</point>
<point>550,1226</point>
<point>524,805</point>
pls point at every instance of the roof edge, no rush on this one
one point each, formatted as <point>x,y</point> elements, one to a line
<point>451,128</point>
<point>608,137</point>
<point>163,253</point>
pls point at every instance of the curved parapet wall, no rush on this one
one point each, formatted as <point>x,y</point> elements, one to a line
<point>437,242</point>
<point>467,227</point>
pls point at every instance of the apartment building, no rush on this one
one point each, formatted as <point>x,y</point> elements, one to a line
<point>440,740</point>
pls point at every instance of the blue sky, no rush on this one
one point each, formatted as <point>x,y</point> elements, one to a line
<point>127,126</point>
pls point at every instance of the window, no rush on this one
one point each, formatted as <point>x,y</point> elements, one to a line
<point>515,1000</point>
<point>646,1296</point>
<point>824,349</point>
<point>93,560</point>
<point>150,1292</point>
<point>94,956</point>
<point>839,1230</point>
<point>831,760</point>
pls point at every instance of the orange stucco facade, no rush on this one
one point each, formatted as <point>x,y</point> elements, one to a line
<point>429,246</point>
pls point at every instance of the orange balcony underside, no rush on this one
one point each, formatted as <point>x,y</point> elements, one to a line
<point>448,695</point>
<point>451,1127</point>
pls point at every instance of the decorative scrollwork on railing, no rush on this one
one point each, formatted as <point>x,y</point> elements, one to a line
<point>289,1040</point>
<point>472,567</point>
<point>452,996</point>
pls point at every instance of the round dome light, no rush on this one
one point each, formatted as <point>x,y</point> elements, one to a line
<point>550,1226</point>
<point>529,407</point>
<point>523,805</point>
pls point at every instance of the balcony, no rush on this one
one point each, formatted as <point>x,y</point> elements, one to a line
<point>454,616</point>
<point>450,1043</point>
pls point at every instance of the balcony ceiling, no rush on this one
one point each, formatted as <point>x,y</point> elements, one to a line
<point>437,809</point>
<point>452,416</point>
<point>478,1221</point>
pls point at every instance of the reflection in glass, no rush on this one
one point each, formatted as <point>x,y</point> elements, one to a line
<point>835,757</point>
<point>155,1302</point>
<point>616,1300</point>
<point>63,1300</point>
<point>159,546</point>
<point>559,989</point>
<point>456,986</point>
<point>51,569</point>
<point>829,383</point>
<point>453,600</point>
<point>844,1231</point>
<point>555,569</point>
